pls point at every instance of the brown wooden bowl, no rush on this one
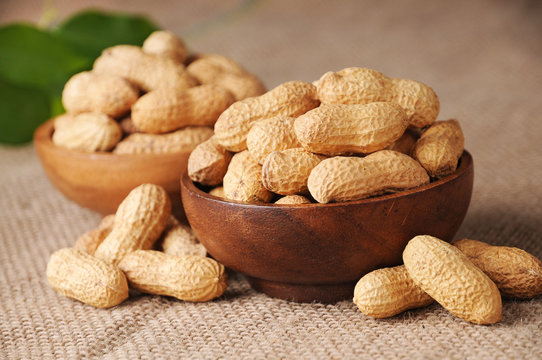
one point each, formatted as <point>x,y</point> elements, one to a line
<point>317,252</point>
<point>100,181</point>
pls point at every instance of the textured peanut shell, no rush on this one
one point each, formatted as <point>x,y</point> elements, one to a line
<point>167,44</point>
<point>180,240</point>
<point>165,110</point>
<point>405,144</point>
<point>128,127</point>
<point>147,71</point>
<point>139,221</point>
<point>241,86</point>
<point>207,67</point>
<point>440,147</point>
<point>387,292</point>
<point>243,180</point>
<point>217,191</point>
<point>289,99</point>
<point>335,129</point>
<point>515,272</point>
<point>362,86</point>
<point>109,94</point>
<point>286,172</point>
<point>449,277</point>
<point>208,163</point>
<point>88,132</point>
<point>273,134</point>
<point>189,278</point>
<point>182,140</point>
<point>90,240</point>
<point>78,275</point>
<point>353,178</point>
<point>292,200</point>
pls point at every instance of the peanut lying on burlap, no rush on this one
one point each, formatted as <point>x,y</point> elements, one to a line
<point>89,271</point>
<point>350,135</point>
<point>467,279</point>
<point>149,91</point>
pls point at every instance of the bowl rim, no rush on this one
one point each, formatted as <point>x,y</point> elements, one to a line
<point>43,138</point>
<point>465,164</point>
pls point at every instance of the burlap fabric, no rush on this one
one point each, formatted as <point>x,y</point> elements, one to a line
<point>483,59</point>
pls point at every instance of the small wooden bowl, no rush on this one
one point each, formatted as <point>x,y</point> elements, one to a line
<point>100,181</point>
<point>317,252</point>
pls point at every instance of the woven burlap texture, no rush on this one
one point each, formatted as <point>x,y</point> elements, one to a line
<point>482,58</point>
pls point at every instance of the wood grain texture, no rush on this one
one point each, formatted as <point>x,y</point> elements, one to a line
<point>100,181</point>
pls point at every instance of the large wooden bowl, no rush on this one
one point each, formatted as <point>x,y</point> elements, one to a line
<point>100,181</point>
<point>317,252</point>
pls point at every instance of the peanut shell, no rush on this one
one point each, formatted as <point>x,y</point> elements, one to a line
<point>292,99</point>
<point>167,109</point>
<point>387,292</point>
<point>139,221</point>
<point>243,180</point>
<point>167,44</point>
<point>78,275</point>
<point>189,278</point>
<point>208,163</point>
<point>286,172</point>
<point>273,134</point>
<point>516,273</point>
<point>335,129</point>
<point>353,178</point>
<point>449,277</point>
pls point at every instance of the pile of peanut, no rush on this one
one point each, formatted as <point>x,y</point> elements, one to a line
<point>142,247</point>
<point>350,135</point>
<point>151,99</point>
<point>466,278</point>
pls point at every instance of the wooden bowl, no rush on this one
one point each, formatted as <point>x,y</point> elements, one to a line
<point>317,252</point>
<point>100,181</point>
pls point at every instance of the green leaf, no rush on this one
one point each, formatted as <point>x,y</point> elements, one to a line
<point>92,31</point>
<point>34,58</point>
<point>21,111</point>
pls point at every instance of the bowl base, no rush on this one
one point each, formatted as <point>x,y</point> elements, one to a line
<point>304,293</point>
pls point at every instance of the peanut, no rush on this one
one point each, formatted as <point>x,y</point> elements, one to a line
<point>108,94</point>
<point>440,147</point>
<point>181,240</point>
<point>405,144</point>
<point>293,200</point>
<point>139,221</point>
<point>362,86</point>
<point>189,278</point>
<point>335,129</point>
<point>88,132</point>
<point>515,272</point>
<point>241,86</point>
<point>90,240</point>
<point>208,66</point>
<point>147,71</point>
<point>273,134</point>
<point>164,110</point>
<point>289,99</point>
<point>182,140</point>
<point>223,71</point>
<point>286,172</point>
<point>449,277</point>
<point>387,292</point>
<point>78,275</point>
<point>217,191</point>
<point>352,178</point>
<point>128,127</point>
<point>243,180</point>
<point>167,44</point>
<point>208,163</point>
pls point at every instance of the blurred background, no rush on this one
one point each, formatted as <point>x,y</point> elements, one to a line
<point>483,58</point>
